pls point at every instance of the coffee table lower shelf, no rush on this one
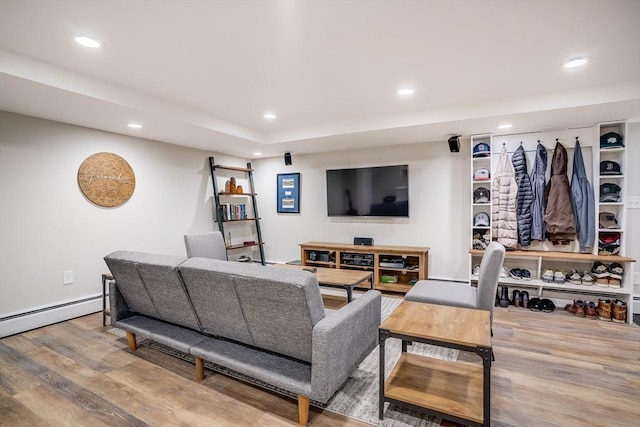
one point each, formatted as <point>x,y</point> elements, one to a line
<point>450,389</point>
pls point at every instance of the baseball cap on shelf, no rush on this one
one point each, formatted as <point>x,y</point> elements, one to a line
<point>481,219</point>
<point>481,174</point>
<point>608,243</point>
<point>608,220</point>
<point>609,167</point>
<point>481,149</point>
<point>481,195</point>
<point>611,140</point>
<point>609,192</point>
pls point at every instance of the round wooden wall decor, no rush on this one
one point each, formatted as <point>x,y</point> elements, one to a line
<point>106,179</point>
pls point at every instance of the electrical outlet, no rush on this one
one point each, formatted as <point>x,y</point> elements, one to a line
<point>633,202</point>
<point>67,277</point>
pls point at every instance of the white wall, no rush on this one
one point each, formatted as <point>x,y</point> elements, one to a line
<point>438,208</point>
<point>47,226</point>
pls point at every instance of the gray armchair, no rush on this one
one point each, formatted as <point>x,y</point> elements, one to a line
<point>463,295</point>
<point>206,245</point>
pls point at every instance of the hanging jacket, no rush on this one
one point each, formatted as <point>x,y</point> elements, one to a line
<point>524,199</point>
<point>503,195</point>
<point>538,182</point>
<point>558,216</point>
<point>583,202</point>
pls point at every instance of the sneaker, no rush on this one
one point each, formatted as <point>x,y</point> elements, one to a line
<point>601,273</point>
<point>587,278</point>
<point>547,276</point>
<point>504,273</point>
<point>616,271</point>
<point>574,277</point>
<point>558,277</point>
<point>516,273</point>
<point>526,274</point>
<point>619,311</point>
<point>476,270</point>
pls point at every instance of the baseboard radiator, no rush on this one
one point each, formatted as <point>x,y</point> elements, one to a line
<point>21,322</point>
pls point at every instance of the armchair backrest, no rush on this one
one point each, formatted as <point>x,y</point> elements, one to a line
<point>489,274</point>
<point>206,245</point>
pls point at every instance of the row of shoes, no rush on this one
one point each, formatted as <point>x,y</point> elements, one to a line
<point>600,274</point>
<point>521,299</point>
<point>607,310</point>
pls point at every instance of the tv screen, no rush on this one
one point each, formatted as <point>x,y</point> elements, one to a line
<point>374,191</point>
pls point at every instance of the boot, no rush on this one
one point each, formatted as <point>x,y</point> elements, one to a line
<point>497,302</point>
<point>516,298</point>
<point>525,299</point>
<point>504,297</point>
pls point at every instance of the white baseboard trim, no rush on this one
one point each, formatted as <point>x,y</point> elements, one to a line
<point>19,323</point>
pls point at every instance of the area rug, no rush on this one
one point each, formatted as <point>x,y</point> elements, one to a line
<point>358,397</point>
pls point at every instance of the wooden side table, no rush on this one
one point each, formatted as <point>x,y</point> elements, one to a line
<point>455,391</point>
<point>106,277</point>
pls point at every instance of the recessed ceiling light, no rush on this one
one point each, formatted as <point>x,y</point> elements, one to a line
<point>269,116</point>
<point>505,126</point>
<point>257,154</point>
<point>135,125</point>
<point>575,62</point>
<point>87,41</point>
<point>405,91</point>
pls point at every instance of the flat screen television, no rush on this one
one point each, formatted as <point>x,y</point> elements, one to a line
<point>372,191</point>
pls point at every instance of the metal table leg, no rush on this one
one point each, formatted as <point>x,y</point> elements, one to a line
<point>383,335</point>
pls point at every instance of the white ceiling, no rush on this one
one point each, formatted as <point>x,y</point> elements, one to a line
<point>202,73</point>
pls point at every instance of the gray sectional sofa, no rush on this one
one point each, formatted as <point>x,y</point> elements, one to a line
<point>265,323</point>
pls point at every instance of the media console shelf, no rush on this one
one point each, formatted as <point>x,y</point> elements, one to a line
<point>395,268</point>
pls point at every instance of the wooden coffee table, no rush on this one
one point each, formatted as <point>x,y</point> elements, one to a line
<point>457,391</point>
<point>336,277</point>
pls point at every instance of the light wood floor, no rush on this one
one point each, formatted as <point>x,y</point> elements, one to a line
<point>550,370</point>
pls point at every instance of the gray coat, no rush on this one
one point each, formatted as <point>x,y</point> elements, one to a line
<point>538,183</point>
<point>583,202</point>
<point>524,198</point>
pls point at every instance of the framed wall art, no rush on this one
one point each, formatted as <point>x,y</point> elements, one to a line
<point>288,193</point>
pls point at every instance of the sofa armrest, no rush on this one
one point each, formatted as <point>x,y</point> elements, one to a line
<point>118,307</point>
<point>341,341</point>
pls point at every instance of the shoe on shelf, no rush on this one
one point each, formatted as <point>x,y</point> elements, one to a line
<point>619,311</point>
<point>616,271</point>
<point>590,310</point>
<point>587,278</point>
<point>534,304</point>
<point>526,274</point>
<point>601,273</point>
<point>504,273</point>
<point>558,277</point>
<point>547,306</point>
<point>603,310</point>
<point>524,299</point>
<point>516,273</point>
<point>476,270</point>
<point>504,297</point>
<point>516,298</point>
<point>574,277</point>
<point>577,308</point>
<point>547,276</point>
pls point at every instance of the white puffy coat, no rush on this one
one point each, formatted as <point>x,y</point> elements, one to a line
<point>504,194</point>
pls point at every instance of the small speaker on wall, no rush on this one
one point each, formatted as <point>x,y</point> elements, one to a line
<point>454,144</point>
<point>287,158</point>
<point>363,241</point>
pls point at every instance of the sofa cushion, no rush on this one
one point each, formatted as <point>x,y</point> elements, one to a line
<point>279,307</point>
<point>162,280</point>
<point>214,299</point>
<point>123,265</point>
<point>443,293</point>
